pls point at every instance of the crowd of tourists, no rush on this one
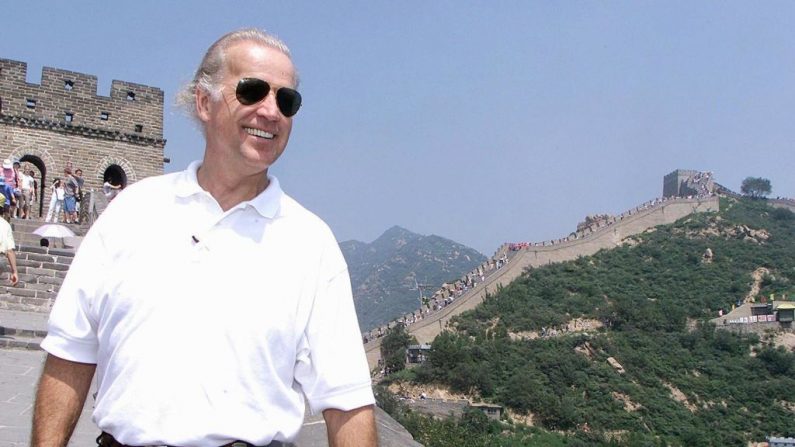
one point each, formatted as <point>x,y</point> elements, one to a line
<point>446,295</point>
<point>66,194</point>
<point>19,191</point>
<point>701,183</point>
<point>585,231</point>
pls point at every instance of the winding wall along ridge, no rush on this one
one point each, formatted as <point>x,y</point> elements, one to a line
<point>607,236</point>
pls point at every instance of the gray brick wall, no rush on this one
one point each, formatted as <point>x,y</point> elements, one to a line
<point>124,129</point>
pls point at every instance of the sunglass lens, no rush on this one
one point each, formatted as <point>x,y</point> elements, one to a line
<point>288,100</point>
<point>251,90</point>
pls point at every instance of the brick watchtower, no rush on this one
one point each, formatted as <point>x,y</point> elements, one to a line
<point>63,120</point>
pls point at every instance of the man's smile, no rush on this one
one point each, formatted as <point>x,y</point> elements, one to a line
<point>258,133</point>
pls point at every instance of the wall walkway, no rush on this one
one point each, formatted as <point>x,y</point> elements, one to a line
<point>606,236</point>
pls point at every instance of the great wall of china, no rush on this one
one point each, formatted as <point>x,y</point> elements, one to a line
<point>597,237</point>
<point>608,235</point>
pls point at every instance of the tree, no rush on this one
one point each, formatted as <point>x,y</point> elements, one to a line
<point>756,187</point>
<point>393,348</point>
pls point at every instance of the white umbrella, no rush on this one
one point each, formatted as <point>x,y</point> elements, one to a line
<point>54,230</point>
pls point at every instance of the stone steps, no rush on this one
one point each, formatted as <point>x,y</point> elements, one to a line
<point>22,330</point>
<point>24,307</point>
<point>41,273</point>
<point>14,340</point>
<point>28,225</point>
<point>24,228</point>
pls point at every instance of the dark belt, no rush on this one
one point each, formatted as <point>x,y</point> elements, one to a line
<point>107,440</point>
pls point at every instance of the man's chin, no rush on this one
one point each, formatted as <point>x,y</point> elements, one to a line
<point>261,158</point>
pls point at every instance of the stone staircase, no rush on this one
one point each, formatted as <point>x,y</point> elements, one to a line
<point>23,233</point>
<point>25,306</point>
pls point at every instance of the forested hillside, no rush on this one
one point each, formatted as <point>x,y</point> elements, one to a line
<point>616,348</point>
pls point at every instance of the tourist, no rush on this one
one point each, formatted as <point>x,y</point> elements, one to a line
<point>36,191</point>
<point>10,180</point>
<point>215,322</point>
<point>9,201</point>
<point>110,190</point>
<point>79,195</point>
<point>57,196</point>
<point>70,196</point>
<point>7,247</point>
<point>27,183</point>
<point>17,190</point>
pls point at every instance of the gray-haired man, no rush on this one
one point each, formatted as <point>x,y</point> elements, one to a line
<point>211,324</point>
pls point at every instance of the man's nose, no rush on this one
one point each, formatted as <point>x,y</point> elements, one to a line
<point>268,108</point>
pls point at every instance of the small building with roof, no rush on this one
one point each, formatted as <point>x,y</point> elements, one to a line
<point>774,441</point>
<point>785,312</point>
<point>417,353</point>
<point>491,410</point>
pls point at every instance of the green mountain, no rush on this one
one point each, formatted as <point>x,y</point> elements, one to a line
<point>386,272</point>
<point>618,349</point>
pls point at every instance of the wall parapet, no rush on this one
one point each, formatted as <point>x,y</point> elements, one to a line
<point>70,98</point>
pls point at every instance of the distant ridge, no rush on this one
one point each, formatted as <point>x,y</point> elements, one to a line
<point>385,272</point>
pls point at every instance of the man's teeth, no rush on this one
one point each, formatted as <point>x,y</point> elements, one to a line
<point>259,133</point>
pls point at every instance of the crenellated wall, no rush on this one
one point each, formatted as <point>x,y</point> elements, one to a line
<point>63,91</point>
<point>610,236</point>
<point>64,120</point>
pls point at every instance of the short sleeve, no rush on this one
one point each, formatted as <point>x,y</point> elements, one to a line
<point>71,329</point>
<point>331,365</point>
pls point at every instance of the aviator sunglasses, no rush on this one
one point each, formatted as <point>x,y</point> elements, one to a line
<point>250,91</point>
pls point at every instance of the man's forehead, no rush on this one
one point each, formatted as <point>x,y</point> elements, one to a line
<point>247,58</point>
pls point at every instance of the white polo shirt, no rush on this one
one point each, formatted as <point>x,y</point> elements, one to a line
<point>208,326</point>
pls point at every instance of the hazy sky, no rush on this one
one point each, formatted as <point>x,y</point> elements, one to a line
<point>483,122</point>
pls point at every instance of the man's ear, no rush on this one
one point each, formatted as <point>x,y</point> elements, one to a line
<point>203,100</point>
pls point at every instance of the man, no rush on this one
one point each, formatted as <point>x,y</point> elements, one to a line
<point>17,189</point>
<point>7,246</point>
<point>27,184</point>
<point>214,322</point>
<point>71,188</point>
<point>79,195</point>
<point>110,190</point>
<point>10,179</point>
<point>9,202</point>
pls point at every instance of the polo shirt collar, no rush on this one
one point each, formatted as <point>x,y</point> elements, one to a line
<point>267,203</point>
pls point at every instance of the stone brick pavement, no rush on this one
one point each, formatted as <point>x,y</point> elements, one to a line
<point>19,372</point>
<point>23,320</point>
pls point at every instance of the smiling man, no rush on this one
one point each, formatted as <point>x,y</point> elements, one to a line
<point>213,324</point>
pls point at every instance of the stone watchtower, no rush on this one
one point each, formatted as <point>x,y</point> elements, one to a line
<point>63,121</point>
<point>688,182</point>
